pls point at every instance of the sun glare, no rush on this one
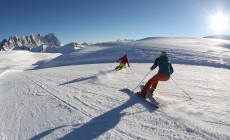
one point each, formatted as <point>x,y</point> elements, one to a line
<point>219,22</point>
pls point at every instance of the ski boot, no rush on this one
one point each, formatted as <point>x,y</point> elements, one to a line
<point>142,94</point>
<point>151,90</point>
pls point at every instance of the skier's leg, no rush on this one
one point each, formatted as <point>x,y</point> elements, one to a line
<point>153,82</point>
<point>121,66</point>
<point>152,88</point>
<point>117,68</point>
<point>163,77</point>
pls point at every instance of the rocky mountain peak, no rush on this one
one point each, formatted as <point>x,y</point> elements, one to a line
<point>31,41</point>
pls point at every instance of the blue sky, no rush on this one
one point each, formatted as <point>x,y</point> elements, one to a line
<point>109,20</point>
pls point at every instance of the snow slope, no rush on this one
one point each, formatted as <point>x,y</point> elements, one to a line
<point>192,51</point>
<point>21,60</point>
<point>79,96</point>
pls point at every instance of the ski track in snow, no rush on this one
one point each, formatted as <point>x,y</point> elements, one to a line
<point>75,96</point>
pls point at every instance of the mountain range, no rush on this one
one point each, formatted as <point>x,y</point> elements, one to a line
<point>225,37</point>
<point>51,44</point>
<point>29,42</point>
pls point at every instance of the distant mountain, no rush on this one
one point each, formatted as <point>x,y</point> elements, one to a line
<point>226,37</point>
<point>68,48</point>
<point>28,42</point>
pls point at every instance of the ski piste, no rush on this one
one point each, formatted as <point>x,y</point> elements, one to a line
<point>149,98</point>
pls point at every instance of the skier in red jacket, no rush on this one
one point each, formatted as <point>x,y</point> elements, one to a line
<point>123,60</point>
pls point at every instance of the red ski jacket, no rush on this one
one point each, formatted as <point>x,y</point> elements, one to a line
<point>124,60</point>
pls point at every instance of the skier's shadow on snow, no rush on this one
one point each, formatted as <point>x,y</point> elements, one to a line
<point>79,80</point>
<point>102,123</point>
<point>87,78</point>
<point>45,133</point>
<point>105,122</point>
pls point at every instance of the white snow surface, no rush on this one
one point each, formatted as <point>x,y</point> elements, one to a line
<point>79,95</point>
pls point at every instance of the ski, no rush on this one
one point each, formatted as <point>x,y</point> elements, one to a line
<point>149,98</point>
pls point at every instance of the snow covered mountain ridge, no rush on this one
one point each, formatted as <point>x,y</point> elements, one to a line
<point>28,42</point>
<point>225,37</point>
<point>189,51</point>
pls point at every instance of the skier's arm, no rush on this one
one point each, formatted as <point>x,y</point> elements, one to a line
<point>128,62</point>
<point>171,69</point>
<point>156,63</point>
<point>119,59</point>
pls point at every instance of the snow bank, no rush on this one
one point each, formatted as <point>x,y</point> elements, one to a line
<point>21,60</point>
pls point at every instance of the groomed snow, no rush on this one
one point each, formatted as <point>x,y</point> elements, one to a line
<point>79,96</point>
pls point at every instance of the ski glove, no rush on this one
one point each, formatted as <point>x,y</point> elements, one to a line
<point>151,68</point>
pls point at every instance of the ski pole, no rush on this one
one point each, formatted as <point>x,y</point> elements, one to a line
<point>131,70</point>
<point>190,98</point>
<point>142,80</point>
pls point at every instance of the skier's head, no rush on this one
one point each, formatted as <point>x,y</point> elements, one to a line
<point>163,53</point>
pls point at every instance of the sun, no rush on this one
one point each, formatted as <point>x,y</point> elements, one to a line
<point>219,22</point>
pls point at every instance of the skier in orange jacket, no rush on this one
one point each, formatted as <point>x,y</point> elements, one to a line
<point>123,60</point>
